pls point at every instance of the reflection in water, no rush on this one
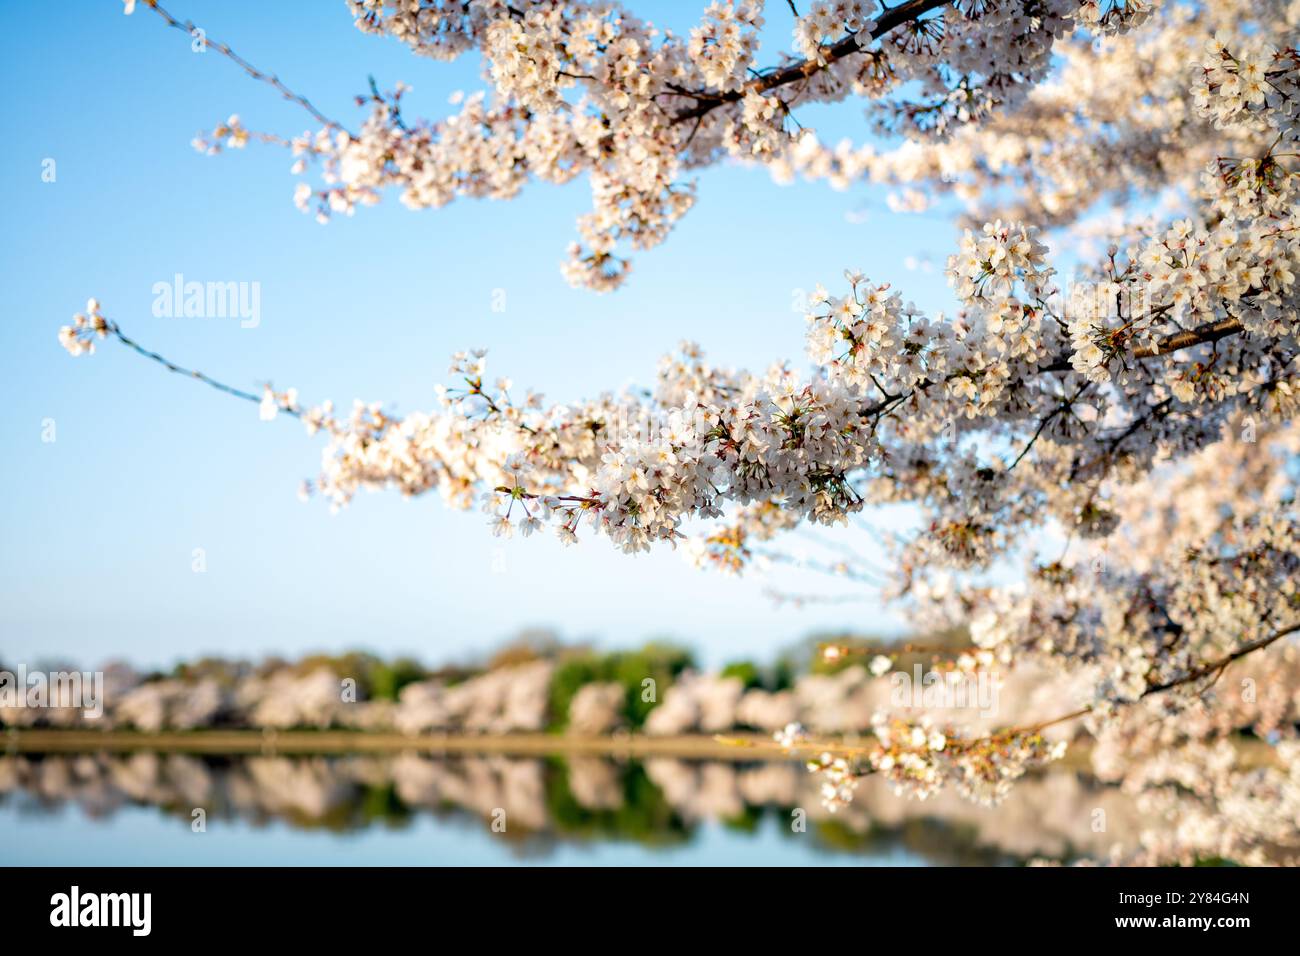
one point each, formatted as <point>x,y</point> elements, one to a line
<point>658,802</point>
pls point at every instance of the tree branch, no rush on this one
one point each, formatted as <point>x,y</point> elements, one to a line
<point>803,69</point>
<point>198,376</point>
<point>1174,343</point>
<point>270,79</point>
<point>1010,733</point>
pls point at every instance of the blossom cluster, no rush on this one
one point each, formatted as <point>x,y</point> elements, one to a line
<point>1116,116</point>
<point>79,337</point>
<point>919,759</point>
<point>586,87</point>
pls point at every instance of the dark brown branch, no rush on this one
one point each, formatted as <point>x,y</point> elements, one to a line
<point>1047,419</point>
<point>1218,665</point>
<point>1179,340</point>
<point>803,69</point>
<point>1174,343</point>
<point>1011,733</point>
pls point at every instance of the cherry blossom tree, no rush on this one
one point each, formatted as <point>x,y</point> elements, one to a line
<point>1143,411</point>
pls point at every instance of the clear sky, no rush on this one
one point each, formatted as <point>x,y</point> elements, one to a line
<point>99,526</point>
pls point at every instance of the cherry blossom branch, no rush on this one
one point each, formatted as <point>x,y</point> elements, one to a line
<point>1173,343</point>
<point>1047,420</point>
<point>986,747</point>
<point>188,28</point>
<point>80,336</point>
<point>1218,665</point>
<point>803,69</point>
<point>1215,667</point>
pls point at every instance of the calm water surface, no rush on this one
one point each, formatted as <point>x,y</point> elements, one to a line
<point>416,809</point>
<point>139,836</point>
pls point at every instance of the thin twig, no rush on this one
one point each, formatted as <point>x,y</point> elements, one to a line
<point>171,366</point>
<point>270,79</point>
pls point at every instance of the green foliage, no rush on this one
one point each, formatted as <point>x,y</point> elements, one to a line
<point>778,676</point>
<point>782,675</point>
<point>376,678</point>
<point>658,661</point>
<point>747,671</point>
<point>225,673</point>
<point>566,681</point>
<point>747,820</point>
<point>386,680</point>
<point>643,816</point>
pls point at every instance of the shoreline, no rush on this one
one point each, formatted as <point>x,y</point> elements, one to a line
<point>737,747</point>
<point>747,747</point>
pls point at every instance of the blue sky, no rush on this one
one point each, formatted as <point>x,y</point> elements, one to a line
<point>99,526</point>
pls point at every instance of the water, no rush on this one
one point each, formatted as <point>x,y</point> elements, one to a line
<point>414,809</point>
<point>139,836</point>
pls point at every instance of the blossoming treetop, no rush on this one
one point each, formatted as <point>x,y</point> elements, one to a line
<point>1146,410</point>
